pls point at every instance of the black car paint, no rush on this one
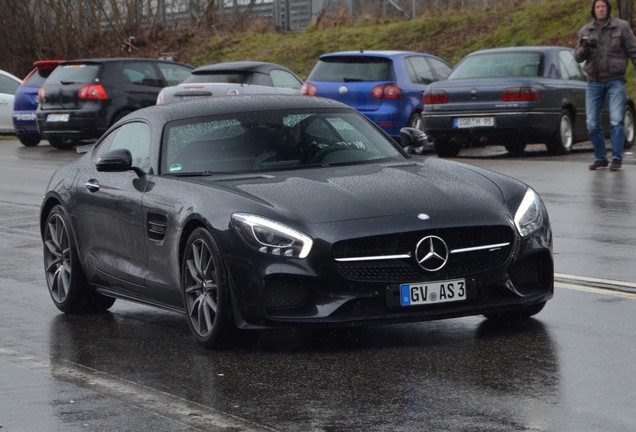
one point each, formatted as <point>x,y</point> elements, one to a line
<point>131,231</point>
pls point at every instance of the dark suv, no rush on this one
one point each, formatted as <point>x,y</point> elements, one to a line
<point>81,99</point>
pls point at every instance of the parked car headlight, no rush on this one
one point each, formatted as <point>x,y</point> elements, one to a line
<point>271,237</point>
<point>529,216</point>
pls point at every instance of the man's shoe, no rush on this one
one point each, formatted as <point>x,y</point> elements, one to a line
<point>598,164</point>
<point>616,165</point>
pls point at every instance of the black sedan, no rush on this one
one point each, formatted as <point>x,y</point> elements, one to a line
<point>512,97</point>
<point>269,211</point>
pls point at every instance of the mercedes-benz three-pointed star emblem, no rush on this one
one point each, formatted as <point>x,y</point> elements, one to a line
<point>431,253</point>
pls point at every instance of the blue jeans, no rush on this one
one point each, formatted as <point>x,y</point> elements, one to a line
<point>595,97</point>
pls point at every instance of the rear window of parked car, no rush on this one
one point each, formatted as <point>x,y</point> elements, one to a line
<point>498,65</point>
<point>74,74</point>
<point>352,69</point>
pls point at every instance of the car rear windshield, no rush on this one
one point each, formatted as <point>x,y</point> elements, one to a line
<point>352,69</point>
<point>496,65</point>
<point>219,77</point>
<point>37,78</point>
<point>74,74</point>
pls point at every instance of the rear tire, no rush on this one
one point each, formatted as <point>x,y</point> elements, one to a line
<point>29,140</point>
<point>516,149</point>
<point>446,148</point>
<point>416,121</point>
<point>563,138</point>
<point>62,143</point>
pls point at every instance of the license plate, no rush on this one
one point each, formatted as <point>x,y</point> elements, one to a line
<point>57,118</point>
<point>432,292</point>
<point>471,122</point>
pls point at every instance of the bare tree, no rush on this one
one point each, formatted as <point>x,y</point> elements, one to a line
<point>625,10</point>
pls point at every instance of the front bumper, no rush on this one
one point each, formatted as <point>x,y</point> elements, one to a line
<point>332,294</point>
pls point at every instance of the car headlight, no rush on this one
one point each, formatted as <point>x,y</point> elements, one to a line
<point>529,216</point>
<point>271,237</point>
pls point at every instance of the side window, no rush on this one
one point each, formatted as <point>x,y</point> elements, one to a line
<point>419,70</point>
<point>282,78</point>
<point>8,85</point>
<point>135,137</point>
<point>261,79</point>
<point>569,68</point>
<point>441,69</point>
<point>173,73</point>
<point>142,74</point>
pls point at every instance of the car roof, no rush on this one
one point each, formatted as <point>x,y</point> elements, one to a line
<point>248,65</point>
<point>378,53</point>
<point>520,49</point>
<point>235,104</point>
<point>7,74</point>
<point>120,60</point>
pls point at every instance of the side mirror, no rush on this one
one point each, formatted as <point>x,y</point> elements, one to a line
<point>413,140</point>
<point>118,160</point>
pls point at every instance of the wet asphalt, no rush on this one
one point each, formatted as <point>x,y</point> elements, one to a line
<point>137,368</point>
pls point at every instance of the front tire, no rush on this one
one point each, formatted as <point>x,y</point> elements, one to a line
<point>206,292</point>
<point>515,316</point>
<point>63,271</point>
<point>563,138</point>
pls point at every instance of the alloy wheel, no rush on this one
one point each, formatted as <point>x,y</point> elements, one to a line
<point>201,288</point>
<point>57,258</point>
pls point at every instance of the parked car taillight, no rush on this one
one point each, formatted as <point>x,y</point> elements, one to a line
<point>41,93</point>
<point>520,94</point>
<point>93,92</point>
<point>308,89</point>
<point>386,91</point>
<point>433,97</point>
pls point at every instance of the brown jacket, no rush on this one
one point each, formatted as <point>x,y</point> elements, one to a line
<point>616,45</point>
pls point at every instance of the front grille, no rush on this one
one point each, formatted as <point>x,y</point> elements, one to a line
<point>407,269</point>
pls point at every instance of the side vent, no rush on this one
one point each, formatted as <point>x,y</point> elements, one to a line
<point>157,226</point>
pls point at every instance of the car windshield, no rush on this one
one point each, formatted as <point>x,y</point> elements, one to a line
<point>233,77</point>
<point>264,141</point>
<point>352,69</point>
<point>496,65</point>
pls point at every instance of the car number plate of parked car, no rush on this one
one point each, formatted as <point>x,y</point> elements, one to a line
<point>432,292</point>
<point>470,122</point>
<point>57,118</point>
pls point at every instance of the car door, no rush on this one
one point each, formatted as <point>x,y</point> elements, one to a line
<point>575,84</point>
<point>8,87</point>
<point>109,212</point>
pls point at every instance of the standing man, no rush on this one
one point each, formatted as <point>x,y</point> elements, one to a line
<point>606,44</point>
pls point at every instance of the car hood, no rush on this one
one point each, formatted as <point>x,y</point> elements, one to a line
<point>439,189</point>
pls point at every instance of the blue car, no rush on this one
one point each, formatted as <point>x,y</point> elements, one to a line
<point>385,86</point>
<point>26,102</point>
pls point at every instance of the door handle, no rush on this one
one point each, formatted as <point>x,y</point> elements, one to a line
<point>92,185</point>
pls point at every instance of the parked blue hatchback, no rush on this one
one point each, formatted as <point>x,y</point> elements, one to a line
<point>385,86</point>
<point>26,102</point>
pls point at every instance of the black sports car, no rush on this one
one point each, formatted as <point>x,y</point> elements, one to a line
<point>266,211</point>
